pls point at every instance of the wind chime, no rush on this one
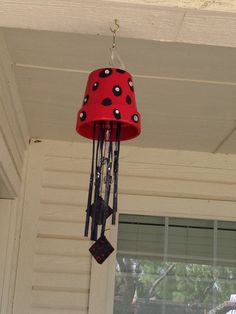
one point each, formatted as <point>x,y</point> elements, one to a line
<point>107,117</point>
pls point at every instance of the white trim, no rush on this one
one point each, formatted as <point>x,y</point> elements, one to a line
<point>14,225</point>
<point>138,20</point>
<point>212,5</point>
<point>9,176</point>
<point>15,112</point>
<point>5,217</point>
<point>14,134</point>
<point>27,229</point>
<point>10,240</point>
<point>103,279</point>
<point>16,230</point>
<point>152,77</point>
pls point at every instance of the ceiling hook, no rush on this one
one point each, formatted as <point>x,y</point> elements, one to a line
<point>117,27</point>
<point>114,30</point>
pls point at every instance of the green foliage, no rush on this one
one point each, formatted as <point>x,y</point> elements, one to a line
<point>185,283</point>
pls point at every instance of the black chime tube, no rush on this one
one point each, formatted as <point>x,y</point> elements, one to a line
<point>108,179</point>
<point>98,162</point>
<point>110,160</point>
<point>90,193</point>
<point>115,170</point>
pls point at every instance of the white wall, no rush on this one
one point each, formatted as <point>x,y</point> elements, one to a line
<point>55,271</point>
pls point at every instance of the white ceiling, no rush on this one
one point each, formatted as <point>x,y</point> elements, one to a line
<point>185,93</point>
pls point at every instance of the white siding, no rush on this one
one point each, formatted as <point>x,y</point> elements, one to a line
<point>55,271</point>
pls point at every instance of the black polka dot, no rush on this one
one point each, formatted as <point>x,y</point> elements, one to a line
<point>82,115</point>
<point>120,71</point>
<point>95,86</point>
<point>106,102</point>
<point>117,91</point>
<point>128,99</point>
<point>105,72</point>
<point>86,98</point>
<point>131,85</point>
<point>116,113</point>
<point>135,118</point>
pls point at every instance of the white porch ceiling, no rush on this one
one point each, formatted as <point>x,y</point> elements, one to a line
<point>185,93</point>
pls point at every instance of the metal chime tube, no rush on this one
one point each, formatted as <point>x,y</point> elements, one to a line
<point>90,192</point>
<point>105,161</point>
<point>115,171</point>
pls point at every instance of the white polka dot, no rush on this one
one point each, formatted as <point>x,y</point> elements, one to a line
<point>130,83</point>
<point>117,89</point>
<point>107,71</point>
<point>81,115</point>
<point>117,111</point>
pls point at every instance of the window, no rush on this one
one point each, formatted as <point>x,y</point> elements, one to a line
<point>174,266</point>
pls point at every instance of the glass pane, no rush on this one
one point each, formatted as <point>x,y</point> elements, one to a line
<point>175,266</point>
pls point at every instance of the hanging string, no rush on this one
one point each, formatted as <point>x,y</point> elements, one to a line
<point>115,59</point>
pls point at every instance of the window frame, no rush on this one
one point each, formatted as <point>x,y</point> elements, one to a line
<point>165,183</point>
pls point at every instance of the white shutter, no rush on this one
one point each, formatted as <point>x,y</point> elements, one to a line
<point>54,262</point>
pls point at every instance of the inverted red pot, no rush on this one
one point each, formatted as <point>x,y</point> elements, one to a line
<point>109,96</point>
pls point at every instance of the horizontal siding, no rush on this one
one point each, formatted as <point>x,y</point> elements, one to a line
<point>59,299</point>
<point>54,280</point>
<point>206,168</point>
<point>173,184</point>
<point>150,182</point>
<point>61,229</point>
<point>62,263</point>
<point>46,310</point>
<point>62,247</point>
<point>59,212</point>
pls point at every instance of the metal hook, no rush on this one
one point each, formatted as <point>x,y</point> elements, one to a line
<point>117,27</point>
<point>114,31</point>
<point>115,59</point>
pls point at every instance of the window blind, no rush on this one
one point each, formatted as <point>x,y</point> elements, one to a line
<point>183,240</point>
